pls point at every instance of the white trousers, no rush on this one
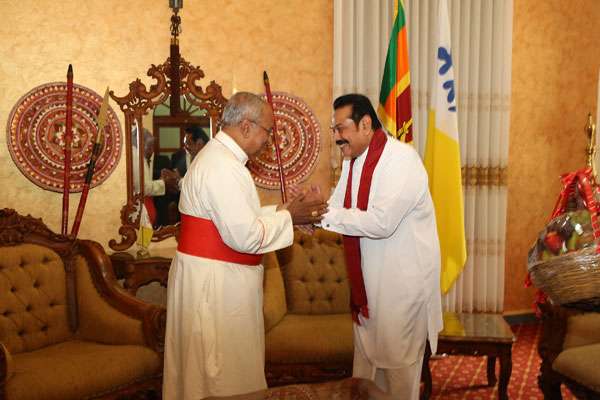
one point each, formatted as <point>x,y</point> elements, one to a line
<point>400,383</point>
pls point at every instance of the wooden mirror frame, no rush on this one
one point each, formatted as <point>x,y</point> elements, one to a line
<point>135,105</point>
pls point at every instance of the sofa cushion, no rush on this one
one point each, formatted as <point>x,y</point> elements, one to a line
<point>310,338</point>
<point>77,369</point>
<point>582,329</point>
<point>33,306</point>
<point>314,272</point>
<point>579,364</point>
<point>274,306</point>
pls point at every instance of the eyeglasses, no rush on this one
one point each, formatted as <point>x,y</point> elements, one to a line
<point>269,131</point>
<point>339,128</point>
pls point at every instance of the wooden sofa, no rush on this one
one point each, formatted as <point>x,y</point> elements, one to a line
<point>308,328</point>
<point>67,329</point>
<point>570,352</point>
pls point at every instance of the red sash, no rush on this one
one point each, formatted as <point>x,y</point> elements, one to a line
<point>200,237</point>
<point>358,294</point>
<point>150,208</point>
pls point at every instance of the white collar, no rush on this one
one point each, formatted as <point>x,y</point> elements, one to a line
<point>227,141</point>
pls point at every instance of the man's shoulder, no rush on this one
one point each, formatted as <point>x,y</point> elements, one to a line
<point>177,155</point>
<point>162,160</point>
<point>217,160</point>
<point>399,151</point>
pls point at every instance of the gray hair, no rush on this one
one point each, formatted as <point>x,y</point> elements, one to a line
<point>134,134</point>
<point>241,106</point>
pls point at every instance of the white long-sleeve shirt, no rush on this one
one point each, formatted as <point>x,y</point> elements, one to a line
<point>400,255</point>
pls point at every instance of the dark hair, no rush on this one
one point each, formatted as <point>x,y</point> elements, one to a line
<point>197,133</point>
<point>361,106</point>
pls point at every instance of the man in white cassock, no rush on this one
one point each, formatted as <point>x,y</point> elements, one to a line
<point>383,207</point>
<point>157,178</point>
<point>214,343</point>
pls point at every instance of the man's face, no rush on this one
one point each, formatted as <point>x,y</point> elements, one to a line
<point>192,147</point>
<point>148,144</point>
<point>260,130</point>
<point>353,140</point>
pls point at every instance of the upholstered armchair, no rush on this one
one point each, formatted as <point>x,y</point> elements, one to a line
<point>570,352</point>
<point>67,330</point>
<point>307,315</point>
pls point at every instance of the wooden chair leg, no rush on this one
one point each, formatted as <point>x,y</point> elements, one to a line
<point>491,370</point>
<point>549,384</point>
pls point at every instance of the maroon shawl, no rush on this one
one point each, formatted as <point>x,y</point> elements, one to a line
<point>358,294</point>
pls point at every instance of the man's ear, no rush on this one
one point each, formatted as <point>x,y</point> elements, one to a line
<point>245,127</point>
<point>365,122</point>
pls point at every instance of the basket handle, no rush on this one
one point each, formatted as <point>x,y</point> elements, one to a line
<point>583,177</point>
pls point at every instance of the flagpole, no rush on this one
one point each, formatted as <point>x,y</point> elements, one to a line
<point>99,139</point>
<point>68,138</point>
<point>275,142</point>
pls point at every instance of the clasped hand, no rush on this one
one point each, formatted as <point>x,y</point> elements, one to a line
<point>171,179</point>
<point>306,206</point>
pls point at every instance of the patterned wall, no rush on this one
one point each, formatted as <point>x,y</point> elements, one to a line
<point>554,85</point>
<point>112,42</point>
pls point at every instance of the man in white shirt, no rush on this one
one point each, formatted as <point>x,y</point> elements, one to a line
<point>158,178</point>
<point>383,207</point>
<point>214,343</point>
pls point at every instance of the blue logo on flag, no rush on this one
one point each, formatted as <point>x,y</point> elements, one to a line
<point>448,85</point>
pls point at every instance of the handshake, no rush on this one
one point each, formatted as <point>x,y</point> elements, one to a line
<point>171,179</point>
<point>306,206</point>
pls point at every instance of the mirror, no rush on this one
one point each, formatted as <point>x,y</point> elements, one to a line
<point>175,146</point>
<point>158,144</point>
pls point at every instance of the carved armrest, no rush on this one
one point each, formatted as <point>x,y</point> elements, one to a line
<point>6,367</point>
<point>152,317</point>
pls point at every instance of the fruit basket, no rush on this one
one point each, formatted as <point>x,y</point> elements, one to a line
<point>564,262</point>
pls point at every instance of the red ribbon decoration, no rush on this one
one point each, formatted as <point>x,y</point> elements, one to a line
<point>275,142</point>
<point>581,180</point>
<point>67,161</point>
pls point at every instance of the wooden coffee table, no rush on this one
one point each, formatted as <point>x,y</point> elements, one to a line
<point>476,335</point>
<point>346,389</point>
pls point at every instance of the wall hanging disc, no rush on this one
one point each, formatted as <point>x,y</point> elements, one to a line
<point>299,143</point>
<point>35,136</point>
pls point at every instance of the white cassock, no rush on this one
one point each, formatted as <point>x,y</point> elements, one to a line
<point>214,342</point>
<point>400,256</point>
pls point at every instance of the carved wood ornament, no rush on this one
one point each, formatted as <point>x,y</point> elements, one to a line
<point>174,78</point>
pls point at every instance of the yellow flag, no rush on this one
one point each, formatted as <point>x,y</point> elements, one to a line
<point>442,159</point>
<point>146,231</point>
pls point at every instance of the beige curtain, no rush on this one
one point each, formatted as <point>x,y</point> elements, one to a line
<point>481,51</point>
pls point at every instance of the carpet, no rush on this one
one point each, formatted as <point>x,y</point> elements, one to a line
<point>461,377</point>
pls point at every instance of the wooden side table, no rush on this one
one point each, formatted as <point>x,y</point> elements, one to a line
<point>475,335</point>
<point>140,272</point>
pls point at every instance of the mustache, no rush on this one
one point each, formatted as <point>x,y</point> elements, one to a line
<point>341,142</point>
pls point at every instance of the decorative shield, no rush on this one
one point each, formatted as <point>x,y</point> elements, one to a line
<point>299,138</point>
<point>35,136</point>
